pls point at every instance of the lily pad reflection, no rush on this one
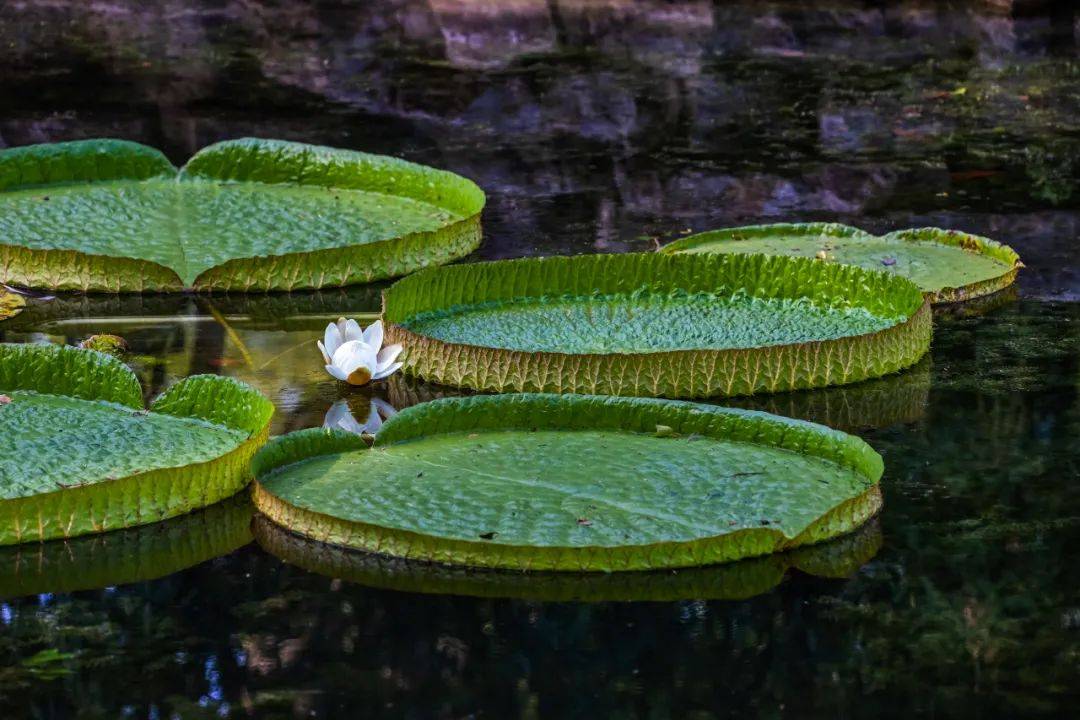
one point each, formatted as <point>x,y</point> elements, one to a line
<point>838,558</point>
<point>126,556</point>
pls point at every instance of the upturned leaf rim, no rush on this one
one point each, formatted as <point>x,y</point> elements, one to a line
<point>139,498</point>
<point>952,238</point>
<point>570,412</point>
<point>692,373</point>
<point>256,160</point>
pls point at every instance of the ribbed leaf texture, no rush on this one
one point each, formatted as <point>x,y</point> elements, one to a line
<point>890,400</point>
<point>790,324</point>
<point>250,214</point>
<point>948,265</point>
<point>569,482</point>
<point>81,455</point>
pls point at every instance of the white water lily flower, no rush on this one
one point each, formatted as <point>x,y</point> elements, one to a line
<point>356,356</point>
<point>340,417</point>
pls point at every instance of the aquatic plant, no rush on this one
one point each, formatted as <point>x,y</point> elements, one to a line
<point>948,265</point>
<point>501,481</point>
<point>357,356</point>
<point>85,456</point>
<point>655,324</point>
<point>250,214</point>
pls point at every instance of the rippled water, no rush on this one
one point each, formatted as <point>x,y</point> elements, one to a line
<point>593,127</point>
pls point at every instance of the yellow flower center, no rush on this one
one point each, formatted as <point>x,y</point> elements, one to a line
<point>359,376</point>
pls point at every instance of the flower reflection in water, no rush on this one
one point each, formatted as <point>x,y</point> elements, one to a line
<point>341,417</point>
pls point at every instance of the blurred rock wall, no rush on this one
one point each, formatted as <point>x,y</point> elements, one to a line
<point>603,124</point>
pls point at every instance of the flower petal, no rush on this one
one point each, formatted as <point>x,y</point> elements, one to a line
<point>325,355</point>
<point>331,340</point>
<point>336,372</point>
<point>373,336</point>
<point>388,354</point>
<point>353,332</point>
<point>354,354</point>
<point>386,372</point>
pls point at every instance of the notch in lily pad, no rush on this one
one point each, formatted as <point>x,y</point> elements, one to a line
<point>83,455</point>
<point>248,215</point>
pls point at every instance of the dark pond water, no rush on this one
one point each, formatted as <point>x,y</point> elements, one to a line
<point>594,126</point>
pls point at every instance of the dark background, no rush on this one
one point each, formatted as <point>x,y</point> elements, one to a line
<point>600,125</point>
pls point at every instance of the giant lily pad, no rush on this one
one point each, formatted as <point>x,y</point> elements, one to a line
<point>240,215</point>
<point>82,456</point>
<point>568,482</point>
<point>839,558</point>
<point>126,556</point>
<point>653,324</point>
<point>948,265</point>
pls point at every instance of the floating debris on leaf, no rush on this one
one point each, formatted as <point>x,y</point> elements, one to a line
<point>109,344</point>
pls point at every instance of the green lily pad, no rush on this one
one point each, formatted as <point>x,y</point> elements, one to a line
<point>84,456</point>
<point>566,482</point>
<point>948,265</point>
<point>654,324</point>
<point>248,214</point>
<point>126,556</point>
<point>839,558</point>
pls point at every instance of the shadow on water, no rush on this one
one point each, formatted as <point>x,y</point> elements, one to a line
<point>733,581</point>
<point>126,556</point>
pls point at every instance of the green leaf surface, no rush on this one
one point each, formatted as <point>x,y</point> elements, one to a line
<point>81,454</point>
<point>644,322</point>
<point>499,481</point>
<point>947,264</point>
<point>57,442</point>
<point>837,558</point>
<point>655,324</point>
<point>243,214</point>
<point>68,371</point>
